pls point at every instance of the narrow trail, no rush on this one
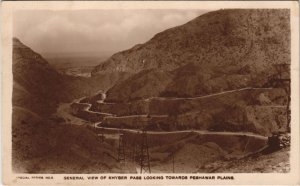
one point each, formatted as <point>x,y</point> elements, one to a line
<point>141,115</point>
<point>209,95</point>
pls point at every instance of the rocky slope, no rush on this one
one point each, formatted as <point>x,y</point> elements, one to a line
<point>217,52</point>
<point>190,80</point>
<point>39,87</point>
<point>228,48</point>
<point>145,84</point>
<point>42,143</point>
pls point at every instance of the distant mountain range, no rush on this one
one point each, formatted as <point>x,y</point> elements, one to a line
<point>101,55</point>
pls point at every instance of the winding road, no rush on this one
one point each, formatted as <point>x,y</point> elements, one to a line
<point>97,125</point>
<point>183,131</point>
<point>88,108</point>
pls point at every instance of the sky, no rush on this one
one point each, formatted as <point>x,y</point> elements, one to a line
<point>101,32</point>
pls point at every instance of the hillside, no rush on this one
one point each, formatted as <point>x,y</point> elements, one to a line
<point>43,146</point>
<point>190,80</point>
<point>39,87</point>
<point>224,46</point>
<point>229,53</point>
<point>42,142</point>
<point>145,84</point>
<point>223,37</point>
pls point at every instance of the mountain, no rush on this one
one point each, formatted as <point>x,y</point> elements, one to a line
<point>228,48</point>
<point>222,62</point>
<point>225,37</point>
<point>39,87</point>
<point>189,80</point>
<point>36,83</point>
<point>142,85</point>
<point>41,142</point>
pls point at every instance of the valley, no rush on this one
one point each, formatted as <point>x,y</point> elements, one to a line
<point>202,97</point>
<point>176,143</point>
<point>70,64</point>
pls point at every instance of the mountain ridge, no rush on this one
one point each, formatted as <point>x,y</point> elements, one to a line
<point>250,41</point>
<point>216,37</point>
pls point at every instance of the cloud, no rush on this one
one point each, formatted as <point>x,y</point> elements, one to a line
<point>105,31</point>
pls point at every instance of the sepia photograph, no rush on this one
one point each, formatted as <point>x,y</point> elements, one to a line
<point>186,91</point>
